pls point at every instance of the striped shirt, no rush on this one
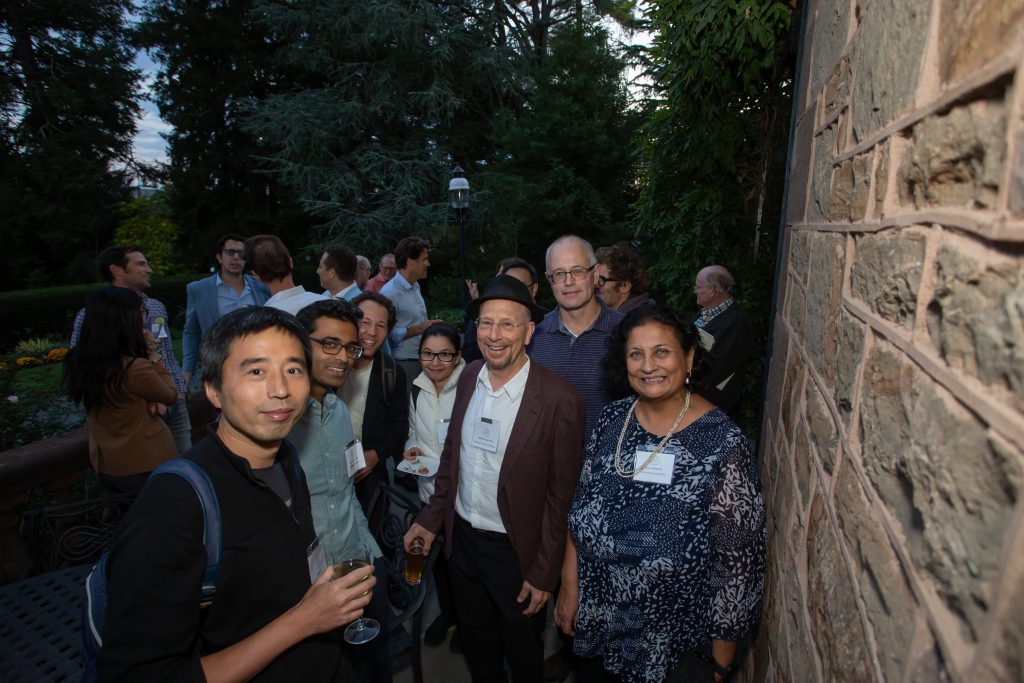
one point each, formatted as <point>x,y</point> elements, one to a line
<point>577,359</point>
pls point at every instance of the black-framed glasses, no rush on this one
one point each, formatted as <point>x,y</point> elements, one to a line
<point>505,325</point>
<point>577,274</point>
<point>240,253</point>
<point>444,356</point>
<point>333,347</point>
<point>601,280</point>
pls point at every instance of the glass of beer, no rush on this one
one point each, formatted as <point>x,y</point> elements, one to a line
<point>414,562</point>
<point>364,629</point>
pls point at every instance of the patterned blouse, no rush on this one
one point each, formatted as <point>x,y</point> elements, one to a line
<point>664,568</point>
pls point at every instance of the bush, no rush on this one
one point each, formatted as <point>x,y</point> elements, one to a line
<point>50,311</point>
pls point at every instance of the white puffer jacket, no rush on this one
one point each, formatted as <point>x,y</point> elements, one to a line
<point>426,411</point>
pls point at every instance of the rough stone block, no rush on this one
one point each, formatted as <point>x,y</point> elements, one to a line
<point>1006,664</point>
<point>892,41</point>
<point>951,489</point>
<point>881,178</point>
<point>956,160</point>
<point>796,309</point>
<point>824,296</point>
<point>851,185</point>
<point>776,368</point>
<point>837,89</point>
<point>802,465</point>
<point>886,274</point>
<point>798,254</point>
<point>791,391</point>
<point>833,605</point>
<point>824,434</point>
<point>926,663</point>
<point>976,319</point>
<point>984,29</point>
<point>831,25</point>
<point>1016,199</point>
<point>821,179</point>
<point>800,169</point>
<point>849,356</point>
<point>888,600</point>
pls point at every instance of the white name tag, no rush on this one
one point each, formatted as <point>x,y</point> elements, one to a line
<point>316,558</point>
<point>442,431</point>
<point>486,433</point>
<point>659,471</point>
<point>354,457</point>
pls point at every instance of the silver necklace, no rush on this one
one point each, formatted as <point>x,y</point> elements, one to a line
<point>622,435</point>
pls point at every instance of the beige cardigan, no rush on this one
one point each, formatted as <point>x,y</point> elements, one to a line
<point>125,438</point>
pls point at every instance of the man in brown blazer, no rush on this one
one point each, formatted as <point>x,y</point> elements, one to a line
<point>508,472</point>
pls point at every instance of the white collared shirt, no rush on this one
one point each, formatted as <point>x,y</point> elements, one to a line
<point>293,300</point>
<point>477,498</point>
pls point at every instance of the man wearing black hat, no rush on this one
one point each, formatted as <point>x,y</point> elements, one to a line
<point>508,472</point>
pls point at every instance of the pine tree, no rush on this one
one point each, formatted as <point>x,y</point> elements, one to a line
<point>68,104</point>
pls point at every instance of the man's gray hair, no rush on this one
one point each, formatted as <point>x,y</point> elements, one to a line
<point>720,279</point>
<point>565,239</point>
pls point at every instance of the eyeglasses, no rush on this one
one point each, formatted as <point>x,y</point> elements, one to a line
<point>445,356</point>
<point>333,347</point>
<point>601,280</point>
<point>577,273</point>
<point>240,253</point>
<point>504,325</point>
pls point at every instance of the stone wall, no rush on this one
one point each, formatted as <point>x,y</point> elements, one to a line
<point>893,441</point>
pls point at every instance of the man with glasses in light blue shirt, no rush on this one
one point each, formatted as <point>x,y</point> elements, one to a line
<point>211,298</point>
<point>323,439</point>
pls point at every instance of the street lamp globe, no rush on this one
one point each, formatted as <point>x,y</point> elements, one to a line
<point>458,189</point>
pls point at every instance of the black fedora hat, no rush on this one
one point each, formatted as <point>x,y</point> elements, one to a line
<point>508,288</point>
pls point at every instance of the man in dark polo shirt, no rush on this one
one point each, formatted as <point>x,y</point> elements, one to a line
<point>572,340</point>
<point>275,614</point>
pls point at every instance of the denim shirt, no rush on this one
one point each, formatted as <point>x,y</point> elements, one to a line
<point>320,438</point>
<point>411,310</point>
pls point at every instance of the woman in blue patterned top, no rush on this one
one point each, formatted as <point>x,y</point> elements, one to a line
<point>664,565</point>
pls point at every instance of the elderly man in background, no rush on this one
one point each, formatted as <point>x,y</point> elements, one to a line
<point>387,270</point>
<point>362,271</point>
<point>622,282</point>
<point>726,333</point>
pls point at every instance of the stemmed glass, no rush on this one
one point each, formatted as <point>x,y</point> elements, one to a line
<point>364,629</point>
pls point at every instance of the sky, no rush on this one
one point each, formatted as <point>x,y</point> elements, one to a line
<point>148,145</point>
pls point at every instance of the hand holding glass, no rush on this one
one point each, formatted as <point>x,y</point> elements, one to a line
<point>414,562</point>
<point>361,630</point>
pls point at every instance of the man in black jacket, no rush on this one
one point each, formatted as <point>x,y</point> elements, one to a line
<point>376,397</point>
<point>726,333</point>
<point>275,614</point>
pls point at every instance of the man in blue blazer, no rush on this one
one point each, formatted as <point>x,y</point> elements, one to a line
<point>211,298</point>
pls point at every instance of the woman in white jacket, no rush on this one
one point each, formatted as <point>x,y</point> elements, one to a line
<point>430,410</point>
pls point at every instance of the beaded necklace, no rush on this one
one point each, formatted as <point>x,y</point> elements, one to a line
<point>622,435</point>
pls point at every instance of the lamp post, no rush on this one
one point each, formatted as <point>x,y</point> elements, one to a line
<point>458,193</point>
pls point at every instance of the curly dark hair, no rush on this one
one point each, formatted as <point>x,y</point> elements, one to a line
<point>625,266</point>
<point>379,298</point>
<point>616,376</point>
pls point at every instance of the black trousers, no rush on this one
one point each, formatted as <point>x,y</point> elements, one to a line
<point>486,580</point>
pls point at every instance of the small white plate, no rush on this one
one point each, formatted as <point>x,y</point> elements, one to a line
<point>421,467</point>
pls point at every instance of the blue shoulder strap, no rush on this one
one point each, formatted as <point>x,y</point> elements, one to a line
<point>195,475</point>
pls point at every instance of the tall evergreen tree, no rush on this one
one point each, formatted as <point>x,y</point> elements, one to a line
<point>386,94</point>
<point>68,105</point>
<point>565,163</point>
<point>213,58</point>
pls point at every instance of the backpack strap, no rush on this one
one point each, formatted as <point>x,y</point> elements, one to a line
<point>388,364</point>
<point>415,394</point>
<point>194,474</point>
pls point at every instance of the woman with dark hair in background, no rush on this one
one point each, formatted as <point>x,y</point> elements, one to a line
<point>116,373</point>
<point>430,409</point>
<point>664,566</point>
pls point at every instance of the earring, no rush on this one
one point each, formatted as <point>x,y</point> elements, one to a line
<point>687,381</point>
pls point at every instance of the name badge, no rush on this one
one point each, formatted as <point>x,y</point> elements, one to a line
<point>442,431</point>
<point>486,433</point>
<point>354,457</point>
<point>659,470</point>
<point>316,558</point>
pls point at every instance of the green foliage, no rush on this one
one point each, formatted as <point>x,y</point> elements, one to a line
<point>68,102</point>
<point>51,311</point>
<point>146,221</point>
<point>564,163</point>
<point>385,94</point>
<point>33,347</point>
<point>39,410</point>
<point>712,152</point>
<point>214,57</point>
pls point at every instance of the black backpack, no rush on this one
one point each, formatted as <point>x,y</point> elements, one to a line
<point>94,606</point>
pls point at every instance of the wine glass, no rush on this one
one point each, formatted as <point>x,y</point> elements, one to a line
<point>364,629</point>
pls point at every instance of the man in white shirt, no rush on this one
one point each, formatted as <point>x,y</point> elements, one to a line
<point>508,471</point>
<point>272,265</point>
<point>337,273</point>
